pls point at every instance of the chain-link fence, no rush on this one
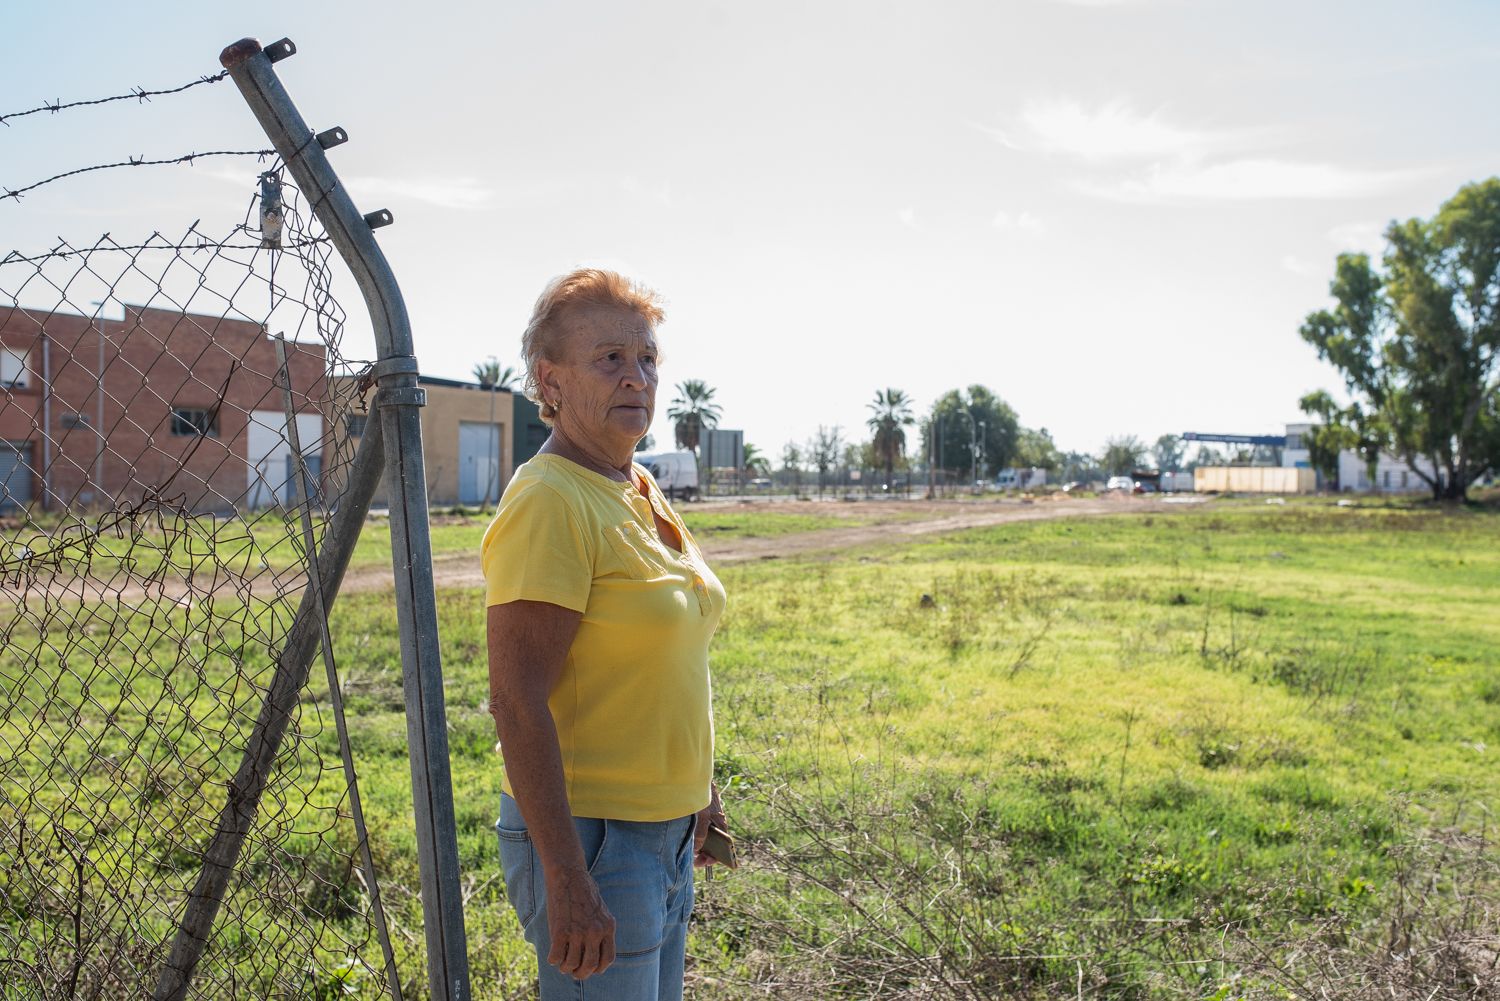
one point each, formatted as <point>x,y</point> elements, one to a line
<point>177,443</point>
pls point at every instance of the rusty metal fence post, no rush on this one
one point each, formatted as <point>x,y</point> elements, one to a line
<point>398,399</point>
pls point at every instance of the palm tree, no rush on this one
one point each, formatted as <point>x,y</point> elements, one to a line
<point>489,374</point>
<point>692,412</point>
<point>756,463</point>
<point>891,413</point>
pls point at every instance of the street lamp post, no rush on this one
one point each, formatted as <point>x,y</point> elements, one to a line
<point>973,447</point>
<point>979,450</point>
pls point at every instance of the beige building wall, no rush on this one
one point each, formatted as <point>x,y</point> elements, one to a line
<point>451,404</point>
<point>1254,480</point>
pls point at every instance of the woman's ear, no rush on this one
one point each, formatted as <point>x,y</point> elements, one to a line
<point>546,378</point>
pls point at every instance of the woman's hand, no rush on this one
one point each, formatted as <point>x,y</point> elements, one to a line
<point>581,927</point>
<point>713,814</point>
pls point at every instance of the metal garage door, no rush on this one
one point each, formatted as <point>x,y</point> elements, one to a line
<point>15,475</point>
<point>478,462</point>
<point>269,451</point>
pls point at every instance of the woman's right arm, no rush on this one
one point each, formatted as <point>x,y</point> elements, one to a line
<point>528,646</point>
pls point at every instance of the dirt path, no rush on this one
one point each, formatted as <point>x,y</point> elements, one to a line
<point>870,522</point>
<point>892,520</point>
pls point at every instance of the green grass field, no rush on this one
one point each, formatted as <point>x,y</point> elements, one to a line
<point>1094,733</point>
<point>1218,753</point>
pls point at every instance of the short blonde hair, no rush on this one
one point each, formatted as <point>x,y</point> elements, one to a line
<point>583,287</point>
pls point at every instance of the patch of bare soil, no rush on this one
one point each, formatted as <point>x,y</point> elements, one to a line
<point>871,522</point>
<point>879,521</point>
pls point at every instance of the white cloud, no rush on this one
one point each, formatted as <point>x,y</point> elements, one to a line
<point>444,192</point>
<point>907,217</point>
<point>1298,266</point>
<point>1023,221</point>
<point>1360,237</point>
<point>1111,131</point>
<point>1249,180</point>
<point>1132,156</point>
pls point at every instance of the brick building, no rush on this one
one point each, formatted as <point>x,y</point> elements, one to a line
<point>466,439</point>
<point>162,403</point>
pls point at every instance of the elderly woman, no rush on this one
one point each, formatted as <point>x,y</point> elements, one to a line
<point>601,608</point>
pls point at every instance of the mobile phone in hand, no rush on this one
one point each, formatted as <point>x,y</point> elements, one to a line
<point>720,845</point>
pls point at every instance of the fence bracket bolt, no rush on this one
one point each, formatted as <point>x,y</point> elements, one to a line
<point>401,396</point>
<point>277,51</point>
<point>379,218</point>
<point>335,136</point>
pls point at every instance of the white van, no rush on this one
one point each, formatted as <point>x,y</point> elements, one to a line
<point>1020,478</point>
<point>676,473</point>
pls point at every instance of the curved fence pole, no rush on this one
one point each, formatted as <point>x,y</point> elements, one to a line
<point>398,399</point>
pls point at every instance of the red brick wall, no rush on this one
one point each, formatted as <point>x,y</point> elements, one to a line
<point>153,361</point>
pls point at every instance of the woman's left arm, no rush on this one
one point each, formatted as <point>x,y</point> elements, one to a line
<point>713,814</point>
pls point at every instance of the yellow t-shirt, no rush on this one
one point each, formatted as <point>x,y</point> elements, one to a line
<point>632,707</point>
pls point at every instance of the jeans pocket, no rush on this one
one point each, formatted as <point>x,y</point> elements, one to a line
<point>593,835</point>
<point>683,862</point>
<point>518,864</point>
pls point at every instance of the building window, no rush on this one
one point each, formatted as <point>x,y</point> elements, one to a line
<point>1387,479</point>
<point>1403,479</point>
<point>191,423</point>
<point>1294,441</point>
<point>72,422</point>
<point>355,424</point>
<point>13,371</point>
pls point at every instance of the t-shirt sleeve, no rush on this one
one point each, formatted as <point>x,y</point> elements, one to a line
<point>537,550</point>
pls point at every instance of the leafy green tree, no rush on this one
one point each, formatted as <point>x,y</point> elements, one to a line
<point>1206,456</point>
<point>1168,452</point>
<point>853,459</point>
<point>1122,454</point>
<point>1418,344</point>
<point>489,373</point>
<point>791,465</point>
<point>976,419</point>
<point>890,416</point>
<point>1080,467</point>
<point>1336,433</point>
<point>692,412</point>
<point>1035,449</point>
<point>822,452</point>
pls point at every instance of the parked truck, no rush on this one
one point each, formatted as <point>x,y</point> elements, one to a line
<point>676,473</point>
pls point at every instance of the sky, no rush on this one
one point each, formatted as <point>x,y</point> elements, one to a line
<point>1113,213</point>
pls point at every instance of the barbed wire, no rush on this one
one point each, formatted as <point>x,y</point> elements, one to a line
<point>136,93</point>
<point>204,243</point>
<point>187,158</point>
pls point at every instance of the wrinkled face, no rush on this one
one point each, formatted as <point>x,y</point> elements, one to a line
<point>605,378</point>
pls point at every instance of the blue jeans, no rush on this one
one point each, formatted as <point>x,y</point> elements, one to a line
<point>645,874</point>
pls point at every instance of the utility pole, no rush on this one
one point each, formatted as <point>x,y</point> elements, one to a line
<point>973,448</point>
<point>980,452</point>
<point>931,450</point>
<point>491,434</point>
